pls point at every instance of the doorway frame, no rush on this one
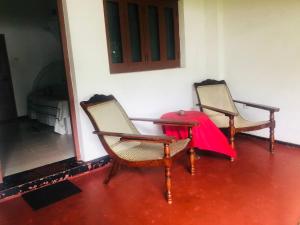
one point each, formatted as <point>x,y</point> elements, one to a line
<point>64,42</point>
<point>1,177</point>
<point>13,95</point>
<point>2,36</point>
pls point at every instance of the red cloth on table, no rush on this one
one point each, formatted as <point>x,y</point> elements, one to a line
<point>206,136</point>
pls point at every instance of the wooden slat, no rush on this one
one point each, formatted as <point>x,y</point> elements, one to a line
<point>168,122</point>
<point>259,106</point>
<point>137,137</point>
<point>225,112</point>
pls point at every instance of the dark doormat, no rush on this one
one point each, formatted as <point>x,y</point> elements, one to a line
<point>50,194</point>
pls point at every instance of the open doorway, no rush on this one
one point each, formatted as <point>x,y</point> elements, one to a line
<point>35,120</point>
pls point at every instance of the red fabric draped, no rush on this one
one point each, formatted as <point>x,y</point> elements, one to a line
<point>206,136</point>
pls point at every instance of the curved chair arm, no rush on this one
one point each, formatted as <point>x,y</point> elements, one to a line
<point>138,137</point>
<point>225,112</point>
<point>258,106</point>
<point>168,122</point>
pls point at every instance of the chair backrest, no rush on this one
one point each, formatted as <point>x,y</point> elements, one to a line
<point>106,114</point>
<point>215,94</point>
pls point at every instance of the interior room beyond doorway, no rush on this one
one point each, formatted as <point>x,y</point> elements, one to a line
<point>40,132</point>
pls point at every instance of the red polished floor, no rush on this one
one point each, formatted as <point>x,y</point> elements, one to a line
<point>256,189</point>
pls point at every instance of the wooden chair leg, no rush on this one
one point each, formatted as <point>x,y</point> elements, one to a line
<point>112,172</point>
<point>272,140</point>
<point>192,161</point>
<point>272,136</point>
<point>168,184</point>
<point>168,164</point>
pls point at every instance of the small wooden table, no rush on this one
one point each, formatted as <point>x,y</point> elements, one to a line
<point>206,136</point>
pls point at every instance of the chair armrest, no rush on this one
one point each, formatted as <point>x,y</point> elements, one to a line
<point>225,112</point>
<point>138,137</point>
<point>168,122</point>
<point>258,106</point>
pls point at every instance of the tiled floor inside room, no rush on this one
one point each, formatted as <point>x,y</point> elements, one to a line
<point>256,189</point>
<point>26,144</point>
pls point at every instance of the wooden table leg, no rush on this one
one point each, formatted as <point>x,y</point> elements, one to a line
<point>231,131</point>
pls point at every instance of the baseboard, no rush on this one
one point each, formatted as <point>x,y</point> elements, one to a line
<point>264,138</point>
<point>76,169</point>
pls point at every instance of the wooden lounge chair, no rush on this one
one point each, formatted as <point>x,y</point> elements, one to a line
<point>125,145</point>
<point>216,101</point>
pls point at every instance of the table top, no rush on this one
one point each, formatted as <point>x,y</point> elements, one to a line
<point>186,115</point>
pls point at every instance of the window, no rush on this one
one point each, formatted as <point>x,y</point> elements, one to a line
<point>142,34</point>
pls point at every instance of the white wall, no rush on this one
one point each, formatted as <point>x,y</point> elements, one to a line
<point>30,45</point>
<point>142,94</point>
<point>262,53</point>
<point>253,44</point>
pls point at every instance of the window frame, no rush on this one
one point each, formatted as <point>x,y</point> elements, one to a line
<point>145,64</point>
